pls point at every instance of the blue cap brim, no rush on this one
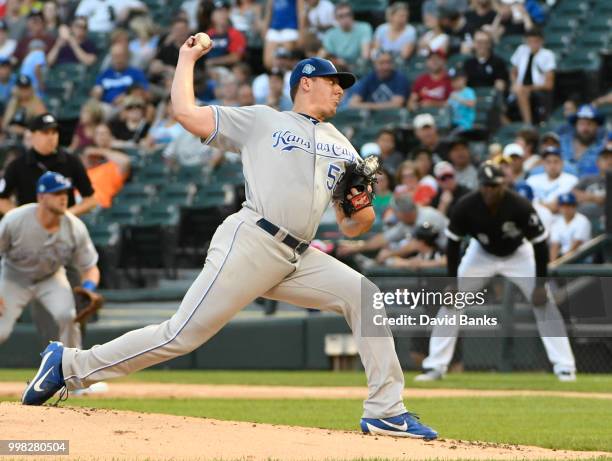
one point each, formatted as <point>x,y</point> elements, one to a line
<point>346,79</point>
<point>572,119</point>
<point>57,189</point>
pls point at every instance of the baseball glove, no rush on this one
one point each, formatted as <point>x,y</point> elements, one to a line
<point>357,176</point>
<point>87,303</point>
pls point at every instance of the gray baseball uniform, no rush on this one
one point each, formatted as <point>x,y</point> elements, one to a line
<point>291,166</point>
<point>33,262</point>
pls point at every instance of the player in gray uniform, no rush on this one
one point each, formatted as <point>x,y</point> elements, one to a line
<point>37,241</point>
<point>292,162</point>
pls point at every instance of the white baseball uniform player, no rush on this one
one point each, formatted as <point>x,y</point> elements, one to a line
<point>34,259</point>
<point>292,162</point>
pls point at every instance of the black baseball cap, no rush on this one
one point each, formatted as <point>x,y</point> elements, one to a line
<point>35,13</point>
<point>43,122</point>
<point>426,232</point>
<point>490,174</point>
<point>23,81</point>
<point>319,67</point>
<point>457,141</point>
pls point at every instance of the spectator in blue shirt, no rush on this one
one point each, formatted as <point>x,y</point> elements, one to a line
<point>7,82</point>
<point>113,82</point>
<point>383,88</point>
<point>582,146</point>
<point>462,101</point>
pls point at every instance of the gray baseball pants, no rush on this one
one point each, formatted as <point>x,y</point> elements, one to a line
<point>54,293</point>
<point>245,262</point>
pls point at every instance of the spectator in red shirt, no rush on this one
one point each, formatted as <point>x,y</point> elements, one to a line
<point>433,88</point>
<point>35,31</point>
<point>229,44</point>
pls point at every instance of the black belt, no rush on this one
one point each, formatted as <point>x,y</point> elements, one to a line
<point>297,245</point>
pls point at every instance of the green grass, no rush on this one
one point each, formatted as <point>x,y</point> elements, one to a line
<point>561,423</point>
<point>470,380</point>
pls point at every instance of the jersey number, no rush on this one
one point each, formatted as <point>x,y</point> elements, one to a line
<point>333,176</point>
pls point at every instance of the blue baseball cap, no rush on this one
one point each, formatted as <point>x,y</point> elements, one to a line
<point>589,112</point>
<point>318,67</point>
<point>551,150</point>
<point>524,189</point>
<point>567,199</point>
<point>51,182</point>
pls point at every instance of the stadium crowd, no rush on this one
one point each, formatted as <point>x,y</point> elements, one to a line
<point>439,91</point>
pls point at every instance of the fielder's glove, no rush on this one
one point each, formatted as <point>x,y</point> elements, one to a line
<point>362,177</point>
<point>87,303</point>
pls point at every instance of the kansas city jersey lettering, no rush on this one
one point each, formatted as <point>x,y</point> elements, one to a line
<point>287,141</point>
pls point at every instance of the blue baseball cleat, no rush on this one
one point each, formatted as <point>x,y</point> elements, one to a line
<point>49,379</point>
<point>404,425</point>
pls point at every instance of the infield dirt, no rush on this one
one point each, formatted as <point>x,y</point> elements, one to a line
<point>108,434</point>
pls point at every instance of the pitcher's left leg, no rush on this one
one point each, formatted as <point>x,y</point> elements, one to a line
<point>324,283</point>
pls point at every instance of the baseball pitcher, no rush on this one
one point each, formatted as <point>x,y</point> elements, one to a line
<point>293,164</point>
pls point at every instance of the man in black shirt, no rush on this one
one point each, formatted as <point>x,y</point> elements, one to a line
<point>21,174</point>
<point>480,15</point>
<point>485,69</point>
<point>507,238</point>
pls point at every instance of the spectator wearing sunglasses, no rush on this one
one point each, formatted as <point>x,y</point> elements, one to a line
<point>449,190</point>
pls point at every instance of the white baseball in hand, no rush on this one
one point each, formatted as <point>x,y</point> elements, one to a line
<point>203,40</point>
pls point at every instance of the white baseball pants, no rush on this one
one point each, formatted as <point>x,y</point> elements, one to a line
<point>476,267</point>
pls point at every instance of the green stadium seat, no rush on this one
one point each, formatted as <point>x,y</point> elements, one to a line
<point>349,117</point>
<point>593,39</point>
<point>154,173</point>
<point>606,110</point>
<point>194,174</point>
<point>135,193</point>
<point>511,41</point>
<point>162,214</point>
<point>508,132</point>
<point>213,195</point>
<point>603,8</point>
<point>388,117</point>
<point>179,194</point>
<point>365,6</point>
<point>601,23</point>
<point>104,234</point>
<point>121,214</point>
<point>581,59</point>
<point>228,173</point>
<point>561,24</point>
<point>365,135</point>
<point>457,60</point>
<point>571,9</point>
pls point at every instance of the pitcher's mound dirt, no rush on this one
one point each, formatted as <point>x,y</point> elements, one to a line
<point>106,434</point>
